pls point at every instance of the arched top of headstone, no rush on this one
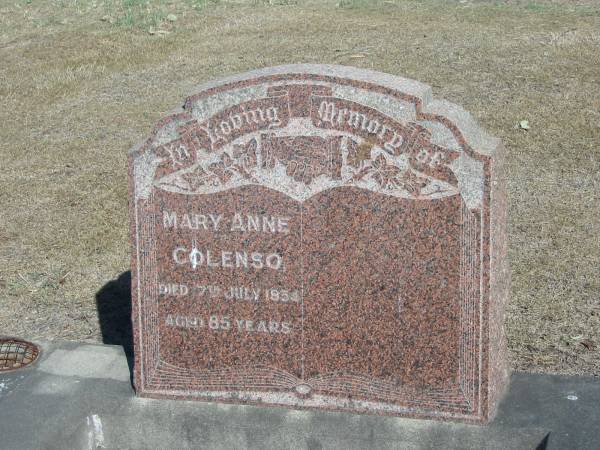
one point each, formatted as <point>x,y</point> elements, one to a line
<point>302,129</point>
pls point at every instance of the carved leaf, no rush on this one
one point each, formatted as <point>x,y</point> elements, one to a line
<point>198,177</point>
<point>358,154</point>
<point>379,162</point>
<point>223,169</point>
<point>412,182</point>
<point>246,155</point>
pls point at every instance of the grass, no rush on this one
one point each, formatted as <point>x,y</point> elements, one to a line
<point>81,82</point>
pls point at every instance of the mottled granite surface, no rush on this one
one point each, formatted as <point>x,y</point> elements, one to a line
<point>321,237</point>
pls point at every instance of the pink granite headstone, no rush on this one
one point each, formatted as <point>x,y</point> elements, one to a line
<point>320,237</point>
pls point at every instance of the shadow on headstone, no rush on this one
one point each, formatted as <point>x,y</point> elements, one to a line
<point>113,302</point>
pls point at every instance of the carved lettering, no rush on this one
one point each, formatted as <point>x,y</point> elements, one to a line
<point>219,323</point>
<point>226,259</point>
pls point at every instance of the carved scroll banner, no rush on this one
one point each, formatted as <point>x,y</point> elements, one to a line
<point>320,237</point>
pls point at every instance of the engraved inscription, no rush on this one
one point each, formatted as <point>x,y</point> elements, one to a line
<point>224,323</point>
<point>226,259</point>
<point>259,223</point>
<point>252,294</point>
<point>251,143</point>
<point>219,131</point>
<point>331,115</point>
<point>172,289</point>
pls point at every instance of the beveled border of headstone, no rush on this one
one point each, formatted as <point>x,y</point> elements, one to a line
<point>479,173</point>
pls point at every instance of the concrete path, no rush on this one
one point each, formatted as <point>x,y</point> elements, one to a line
<point>79,396</point>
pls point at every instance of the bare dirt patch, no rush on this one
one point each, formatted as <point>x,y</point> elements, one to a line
<point>80,84</point>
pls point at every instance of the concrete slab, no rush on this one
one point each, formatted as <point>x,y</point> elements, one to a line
<point>87,361</point>
<point>80,397</point>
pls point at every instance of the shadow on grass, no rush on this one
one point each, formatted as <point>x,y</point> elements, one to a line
<point>544,444</point>
<point>113,303</point>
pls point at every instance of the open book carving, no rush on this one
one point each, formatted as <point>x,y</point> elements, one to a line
<point>314,239</point>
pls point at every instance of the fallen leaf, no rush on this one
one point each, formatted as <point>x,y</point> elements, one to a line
<point>62,279</point>
<point>589,345</point>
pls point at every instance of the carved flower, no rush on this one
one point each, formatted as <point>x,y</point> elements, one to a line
<point>385,174</point>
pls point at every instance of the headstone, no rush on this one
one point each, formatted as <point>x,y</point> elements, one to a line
<point>320,237</point>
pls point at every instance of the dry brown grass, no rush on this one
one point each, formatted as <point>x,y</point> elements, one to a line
<point>78,91</point>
